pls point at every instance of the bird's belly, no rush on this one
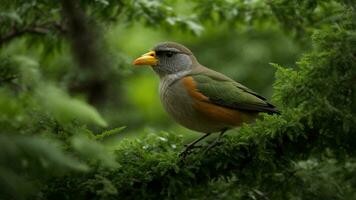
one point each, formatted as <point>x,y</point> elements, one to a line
<point>180,106</point>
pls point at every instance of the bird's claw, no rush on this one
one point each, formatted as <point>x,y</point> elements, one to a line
<point>212,145</point>
<point>189,149</point>
<point>186,151</point>
<point>183,154</point>
<point>193,147</point>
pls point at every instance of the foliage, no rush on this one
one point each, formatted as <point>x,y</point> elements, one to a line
<point>61,135</point>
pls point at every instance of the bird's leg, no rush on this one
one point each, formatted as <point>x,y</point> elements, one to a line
<point>194,147</point>
<point>192,144</point>
<point>213,144</point>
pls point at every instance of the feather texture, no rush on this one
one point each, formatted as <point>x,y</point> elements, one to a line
<point>223,91</point>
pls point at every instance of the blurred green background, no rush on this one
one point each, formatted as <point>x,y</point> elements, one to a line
<point>68,90</point>
<point>128,96</point>
<point>77,119</point>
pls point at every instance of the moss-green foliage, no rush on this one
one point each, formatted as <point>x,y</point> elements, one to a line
<point>52,146</point>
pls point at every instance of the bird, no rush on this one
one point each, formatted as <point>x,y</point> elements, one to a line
<point>198,97</point>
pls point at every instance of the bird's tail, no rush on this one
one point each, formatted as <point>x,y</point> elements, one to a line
<point>271,109</point>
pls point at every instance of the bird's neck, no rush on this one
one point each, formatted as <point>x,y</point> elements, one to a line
<point>171,78</point>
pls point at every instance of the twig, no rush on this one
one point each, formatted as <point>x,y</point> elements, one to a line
<point>35,29</point>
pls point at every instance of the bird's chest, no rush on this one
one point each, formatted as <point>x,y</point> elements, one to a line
<point>176,101</point>
<point>180,105</point>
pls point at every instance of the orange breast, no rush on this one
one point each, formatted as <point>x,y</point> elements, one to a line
<point>212,111</point>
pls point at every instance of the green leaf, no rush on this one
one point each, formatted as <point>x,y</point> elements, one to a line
<point>94,151</point>
<point>196,28</point>
<point>109,133</point>
<point>64,108</point>
<point>29,68</point>
<point>104,2</point>
<point>14,16</point>
<point>36,157</point>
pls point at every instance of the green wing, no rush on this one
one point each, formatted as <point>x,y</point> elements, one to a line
<point>225,92</point>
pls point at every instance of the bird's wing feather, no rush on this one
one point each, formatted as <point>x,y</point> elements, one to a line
<point>223,91</point>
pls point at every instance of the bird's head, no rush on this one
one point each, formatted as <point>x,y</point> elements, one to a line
<point>168,58</point>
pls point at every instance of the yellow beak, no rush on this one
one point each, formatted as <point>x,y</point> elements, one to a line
<point>146,59</point>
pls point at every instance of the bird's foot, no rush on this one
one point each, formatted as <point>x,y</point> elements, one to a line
<point>184,153</point>
<point>193,147</point>
<point>212,145</point>
<point>216,142</point>
<point>188,149</point>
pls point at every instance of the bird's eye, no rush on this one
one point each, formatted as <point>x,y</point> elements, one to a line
<point>169,54</point>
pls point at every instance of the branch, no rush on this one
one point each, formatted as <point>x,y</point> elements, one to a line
<point>43,29</point>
